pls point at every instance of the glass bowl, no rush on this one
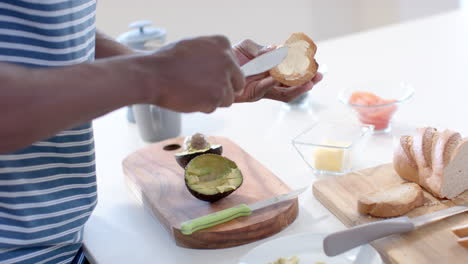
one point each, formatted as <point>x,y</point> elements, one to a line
<point>375,103</point>
<point>332,147</point>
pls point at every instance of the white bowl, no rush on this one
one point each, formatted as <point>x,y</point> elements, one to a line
<point>306,246</point>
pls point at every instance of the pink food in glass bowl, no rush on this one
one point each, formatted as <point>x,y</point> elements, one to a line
<point>373,109</point>
<point>376,103</point>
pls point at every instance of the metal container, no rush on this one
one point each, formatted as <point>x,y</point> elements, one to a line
<point>154,123</point>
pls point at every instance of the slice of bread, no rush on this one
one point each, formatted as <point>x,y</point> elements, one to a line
<point>299,66</point>
<point>397,200</point>
<point>403,160</point>
<point>422,146</point>
<point>463,242</point>
<point>452,144</point>
<point>461,231</point>
<point>454,178</point>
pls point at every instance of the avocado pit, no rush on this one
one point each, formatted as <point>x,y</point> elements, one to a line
<point>194,146</point>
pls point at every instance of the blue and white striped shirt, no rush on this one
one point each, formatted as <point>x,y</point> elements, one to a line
<point>47,190</point>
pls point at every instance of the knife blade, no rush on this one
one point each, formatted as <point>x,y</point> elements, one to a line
<point>265,61</point>
<point>190,226</point>
<point>339,242</point>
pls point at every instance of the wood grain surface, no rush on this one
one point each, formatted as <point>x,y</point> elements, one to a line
<point>158,182</point>
<point>433,243</point>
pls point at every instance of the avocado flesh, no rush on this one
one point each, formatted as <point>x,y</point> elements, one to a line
<point>211,177</point>
<point>210,184</point>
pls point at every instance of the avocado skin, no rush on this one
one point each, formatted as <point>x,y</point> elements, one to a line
<point>183,160</point>
<point>210,198</point>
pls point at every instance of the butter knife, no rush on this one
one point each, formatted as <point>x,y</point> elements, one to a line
<point>265,61</point>
<point>188,227</point>
<point>339,242</point>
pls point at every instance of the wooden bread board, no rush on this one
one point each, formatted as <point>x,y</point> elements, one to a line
<point>433,243</point>
<point>154,176</point>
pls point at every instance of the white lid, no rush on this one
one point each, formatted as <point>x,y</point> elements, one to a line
<point>142,33</point>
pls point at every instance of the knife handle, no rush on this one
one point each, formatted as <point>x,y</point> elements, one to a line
<point>339,242</point>
<point>188,227</point>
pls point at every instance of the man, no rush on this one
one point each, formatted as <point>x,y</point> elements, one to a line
<point>50,90</point>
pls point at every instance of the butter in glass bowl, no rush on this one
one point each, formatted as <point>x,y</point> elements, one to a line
<point>332,147</point>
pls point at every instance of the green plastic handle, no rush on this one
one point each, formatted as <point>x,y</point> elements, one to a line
<point>188,227</point>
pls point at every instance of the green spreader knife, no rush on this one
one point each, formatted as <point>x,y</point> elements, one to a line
<point>188,227</point>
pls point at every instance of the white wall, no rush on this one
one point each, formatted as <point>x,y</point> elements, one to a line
<point>256,19</point>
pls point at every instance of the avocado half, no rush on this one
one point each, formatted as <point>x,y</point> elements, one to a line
<point>184,157</point>
<point>211,177</point>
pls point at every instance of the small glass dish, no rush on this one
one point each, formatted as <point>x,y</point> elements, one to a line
<point>375,103</point>
<point>302,103</point>
<point>332,147</point>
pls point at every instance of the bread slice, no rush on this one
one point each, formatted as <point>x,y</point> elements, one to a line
<point>442,153</point>
<point>403,160</point>
<point>463,242</point>
<point>461,231</point>
<point>444,148</point>
<point>299,66</point>
<point>454,178</point>
<point>422,147</point>
<point>397,200</point>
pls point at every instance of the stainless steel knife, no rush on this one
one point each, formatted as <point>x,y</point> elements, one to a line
<point>345,240</point>
<point>188,227</point>
<point>265,61</point>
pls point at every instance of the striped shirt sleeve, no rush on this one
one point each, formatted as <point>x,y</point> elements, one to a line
<point>47,190</point>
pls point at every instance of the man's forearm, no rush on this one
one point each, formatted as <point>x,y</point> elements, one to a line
<point>37,103</point>
<point>108,47</point>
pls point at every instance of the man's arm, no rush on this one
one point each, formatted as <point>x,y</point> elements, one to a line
<point>37,103</point>
<point>257,87</point>
<point>107,47</point>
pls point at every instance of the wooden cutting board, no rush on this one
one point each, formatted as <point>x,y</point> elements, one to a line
<point>158,181</point>
<point>432,243</point>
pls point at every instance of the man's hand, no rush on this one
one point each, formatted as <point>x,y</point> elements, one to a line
<point>263,85</point>
<point>191,75</point>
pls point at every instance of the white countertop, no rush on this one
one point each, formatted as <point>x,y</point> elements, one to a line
<point>431,54</point>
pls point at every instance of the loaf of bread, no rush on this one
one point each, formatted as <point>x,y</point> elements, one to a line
<point>437,161</point>
<point>394,201</point>
<point>299,66</point>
